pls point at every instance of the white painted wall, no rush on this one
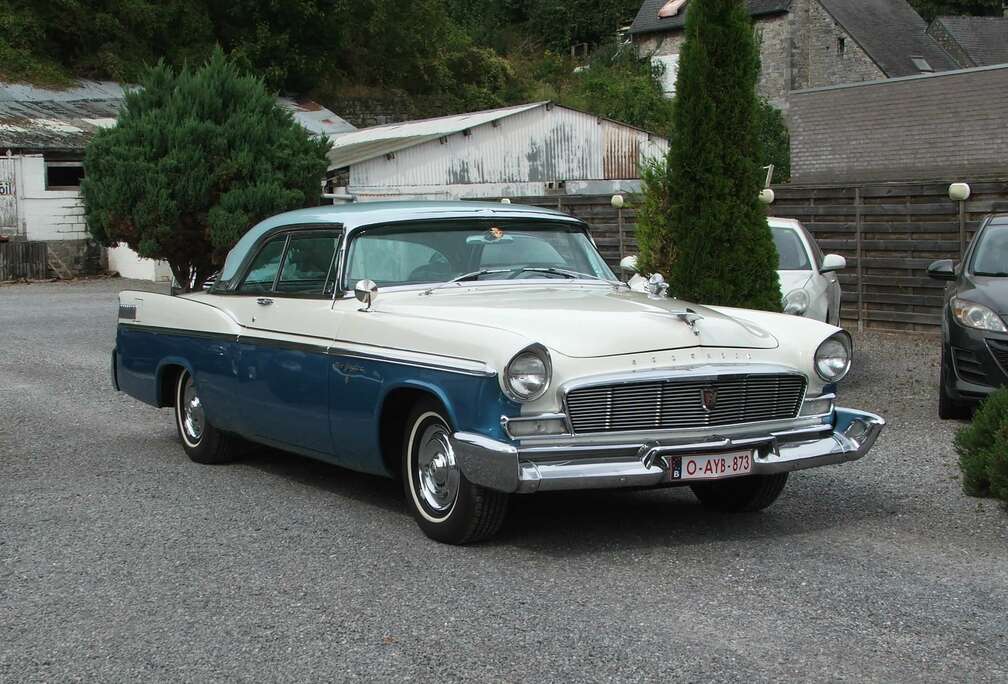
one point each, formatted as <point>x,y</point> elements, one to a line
<point>129,264</point>
<point>48,214</point>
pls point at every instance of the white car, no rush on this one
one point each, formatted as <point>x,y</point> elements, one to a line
<point>482,350</point>
<point>809,284</point>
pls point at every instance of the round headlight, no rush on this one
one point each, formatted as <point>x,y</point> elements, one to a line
<point>528,374</point>
<point>833,357</point>
<point>796,302</point>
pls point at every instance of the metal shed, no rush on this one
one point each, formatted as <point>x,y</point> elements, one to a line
<point>526,150</point>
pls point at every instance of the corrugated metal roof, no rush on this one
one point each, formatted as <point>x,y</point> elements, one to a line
<point>56,120</point>
<point>377,141</point>
<point>64,120</point>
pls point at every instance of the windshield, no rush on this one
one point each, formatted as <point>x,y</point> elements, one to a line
<point>793,255</point>
<point>990,258</point>
<point>441,251</point>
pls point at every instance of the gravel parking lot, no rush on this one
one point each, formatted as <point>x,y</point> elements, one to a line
<point>121,559</point>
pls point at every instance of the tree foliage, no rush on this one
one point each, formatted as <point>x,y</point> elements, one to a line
<point>929,9</point>
<point>701,223</point>
<point>197,157</point>
<point>983,449</point>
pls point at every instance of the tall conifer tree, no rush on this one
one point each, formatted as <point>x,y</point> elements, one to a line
<point>702,225</point>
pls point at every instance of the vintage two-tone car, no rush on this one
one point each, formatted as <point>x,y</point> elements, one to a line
<point>478,351</point>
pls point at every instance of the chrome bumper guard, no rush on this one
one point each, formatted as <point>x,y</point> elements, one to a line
<point>509,468</point>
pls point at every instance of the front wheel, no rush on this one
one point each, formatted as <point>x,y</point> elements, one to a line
<point>742,494</point>
<point>448,507</point>
<point>203,443</point>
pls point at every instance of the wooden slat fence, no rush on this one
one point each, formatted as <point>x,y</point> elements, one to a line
<point>888,232</point>
<point>23,260</point>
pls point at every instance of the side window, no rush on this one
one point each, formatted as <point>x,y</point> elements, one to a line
<point>306,266</point>
<point>264,268</point>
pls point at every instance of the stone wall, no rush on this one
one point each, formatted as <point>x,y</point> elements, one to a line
<point>798,50</point>
<point>817,58</point>
<point>77,257</point>
<point>774,35</point>
<point>364,111</point>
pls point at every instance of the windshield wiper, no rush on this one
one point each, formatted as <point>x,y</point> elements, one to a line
<point>558,271</point>
<point>1000,274</point>
<point>475,275</point>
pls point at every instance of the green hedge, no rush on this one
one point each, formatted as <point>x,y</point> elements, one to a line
<point>983,449</point>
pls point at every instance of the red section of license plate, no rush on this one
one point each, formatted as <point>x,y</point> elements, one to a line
<point>710,466</point>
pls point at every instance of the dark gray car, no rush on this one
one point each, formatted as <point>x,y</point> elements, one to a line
<point>975,322</point>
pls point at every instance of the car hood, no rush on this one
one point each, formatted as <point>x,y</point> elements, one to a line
<point>793,280</point>
<point>992,292</point>
<point>580,321</point>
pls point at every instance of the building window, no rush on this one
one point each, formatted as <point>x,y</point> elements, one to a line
<point>922,65</point>
<point>841,46</point>
<point>63,175</point>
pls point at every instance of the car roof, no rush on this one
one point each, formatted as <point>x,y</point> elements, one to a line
<point>359,214</point>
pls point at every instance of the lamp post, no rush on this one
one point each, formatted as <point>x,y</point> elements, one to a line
<point>960,192</point>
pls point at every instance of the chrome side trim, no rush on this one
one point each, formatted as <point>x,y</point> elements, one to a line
<point>410,358</point>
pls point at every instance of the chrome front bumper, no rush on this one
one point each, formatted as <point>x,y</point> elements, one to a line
<point>509,468</point>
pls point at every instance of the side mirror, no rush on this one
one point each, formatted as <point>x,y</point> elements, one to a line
<point>629,264</point>
<point>833,262</point>
<point>366,291</point>
<point>943,269</point>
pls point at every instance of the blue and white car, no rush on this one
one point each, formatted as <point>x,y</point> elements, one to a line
<point>479,351</point>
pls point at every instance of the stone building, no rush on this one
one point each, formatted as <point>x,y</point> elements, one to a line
<point>809,43</point>
<point>973,41</point>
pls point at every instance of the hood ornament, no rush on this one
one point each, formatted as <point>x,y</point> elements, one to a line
<point>656,286</point>
<point>690,318</point>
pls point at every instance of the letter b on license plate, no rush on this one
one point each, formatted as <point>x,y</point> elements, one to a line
<point>710,466</point>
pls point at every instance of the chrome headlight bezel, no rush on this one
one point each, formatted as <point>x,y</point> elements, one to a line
<point>976,316</point>
<point>534,351</point>
<point>797,302</point>
<point>827,349</point>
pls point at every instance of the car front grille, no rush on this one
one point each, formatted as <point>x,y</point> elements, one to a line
<point>685,403</point>
<point>1000,351</point>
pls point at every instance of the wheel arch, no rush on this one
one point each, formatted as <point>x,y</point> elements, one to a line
<point>395,406</point>
<point>166,377</point>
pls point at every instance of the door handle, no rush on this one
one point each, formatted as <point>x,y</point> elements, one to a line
<point>264,301</point>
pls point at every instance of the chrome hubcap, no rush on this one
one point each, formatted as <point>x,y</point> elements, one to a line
<point>193,418</point>
<point>439,474</point>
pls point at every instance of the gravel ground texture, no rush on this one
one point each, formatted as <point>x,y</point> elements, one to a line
<point>122,560</point>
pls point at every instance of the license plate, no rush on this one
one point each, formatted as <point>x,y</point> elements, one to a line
<point>711,466</point>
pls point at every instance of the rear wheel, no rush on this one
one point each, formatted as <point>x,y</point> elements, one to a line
<point>949,408</point>
<point>445,504</point>
<point>203,443</point>
<point>742,494</point>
